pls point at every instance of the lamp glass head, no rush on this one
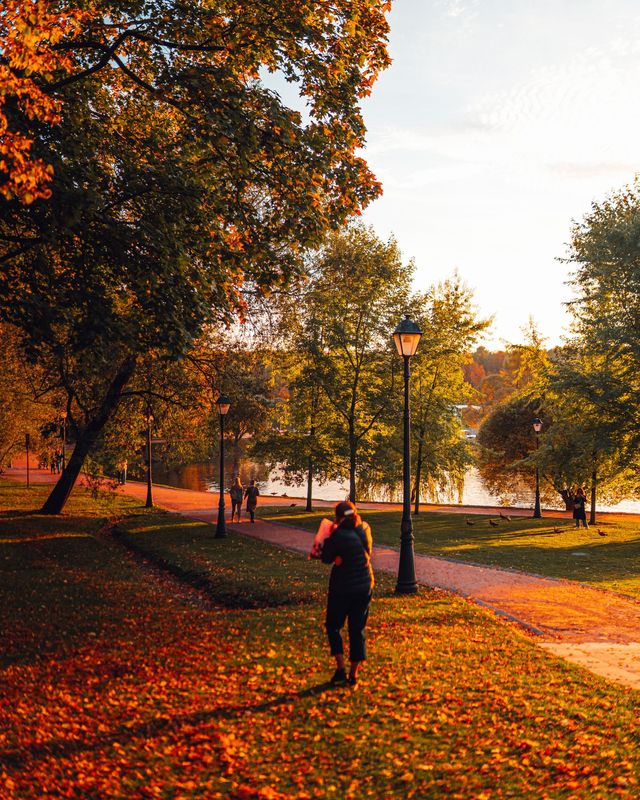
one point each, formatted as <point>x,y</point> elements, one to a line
<point>407,337</point>
<point>223,402</point>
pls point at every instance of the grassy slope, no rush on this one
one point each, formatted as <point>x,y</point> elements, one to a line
<point>119,682</point>
<point>611,561</point>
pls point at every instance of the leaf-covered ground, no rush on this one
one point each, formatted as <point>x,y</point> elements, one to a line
<point>200,672</point>
<point>550,546</point>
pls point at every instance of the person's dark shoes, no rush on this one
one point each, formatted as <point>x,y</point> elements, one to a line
<point>352,680</point>
<point>339,676</point>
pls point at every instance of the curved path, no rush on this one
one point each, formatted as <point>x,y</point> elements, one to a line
<point>597,629</point>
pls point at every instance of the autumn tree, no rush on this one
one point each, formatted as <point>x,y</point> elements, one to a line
<point>509,450</point>
<point>26,404</point>
<point>31,37</point>
<point>181,184</point>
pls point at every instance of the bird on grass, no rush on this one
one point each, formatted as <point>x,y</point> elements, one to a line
<point>601,533</point>
<point>469,522</point>
<point>493,523</point>
<point>292,505</point>
<point>505,516</point>
<point>557,530</point>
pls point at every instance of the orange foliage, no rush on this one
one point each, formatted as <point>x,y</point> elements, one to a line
<point>29,32</point>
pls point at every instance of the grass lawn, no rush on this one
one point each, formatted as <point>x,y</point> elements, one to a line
<point>530,545</point>
<point>121,680</point>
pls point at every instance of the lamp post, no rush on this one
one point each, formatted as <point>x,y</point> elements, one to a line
<point>63,414</point>
<point>537,427</point>
<point>223,403</point>
<point>406,336</point>
<point>27,444</point>
<point>149,503</point>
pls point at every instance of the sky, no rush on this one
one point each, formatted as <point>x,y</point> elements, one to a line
<point>496,127</point>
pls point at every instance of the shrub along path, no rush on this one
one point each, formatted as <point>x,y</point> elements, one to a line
<point>597,629</point>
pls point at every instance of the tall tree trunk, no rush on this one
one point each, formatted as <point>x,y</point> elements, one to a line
<point>416,507</point>
<point>353,447</point>
<point>592,515</point>
<point>235,466</point>
<point>312,437</point>
<point>87,439</point>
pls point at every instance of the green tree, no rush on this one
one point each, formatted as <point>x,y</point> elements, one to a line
<point>450,329</point>
<point>297,444</point>
<point>182,184</point>
<point>604,253</point>
<point>586,437</point>
<point>248,379</point>
<point>356,288</point>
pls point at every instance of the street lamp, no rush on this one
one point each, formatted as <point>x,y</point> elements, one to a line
<point>27,443</point>
<point>149,419</point>
<point>406,336</point>
<point>223,403</point>
<point>537,427</point>
<point>63,414</point>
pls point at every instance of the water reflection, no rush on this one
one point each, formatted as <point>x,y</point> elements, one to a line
<point>203,477</point>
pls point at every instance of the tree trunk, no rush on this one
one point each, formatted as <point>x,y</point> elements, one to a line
<point>592,515</point>
<point>567,497</point>
<point>353,446</point>
<point>86,441</point>
<point>312,436</point>
<point>416,507</point>
<point>235,466</point>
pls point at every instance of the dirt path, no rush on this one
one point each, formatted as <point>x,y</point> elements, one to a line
<point>598,630</point>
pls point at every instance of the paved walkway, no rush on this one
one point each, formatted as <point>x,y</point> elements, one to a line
<point>596,629</point>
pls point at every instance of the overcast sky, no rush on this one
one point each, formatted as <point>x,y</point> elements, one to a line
<point>498,123</point>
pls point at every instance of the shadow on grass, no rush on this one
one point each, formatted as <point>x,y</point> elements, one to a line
<point>123,735</point>
<point>236,572</point>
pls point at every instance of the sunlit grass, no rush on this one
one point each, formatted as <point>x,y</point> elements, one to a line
<point>118,682</point>
<point>552,547</point>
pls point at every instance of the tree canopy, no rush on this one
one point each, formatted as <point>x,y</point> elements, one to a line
<point>181,184</point>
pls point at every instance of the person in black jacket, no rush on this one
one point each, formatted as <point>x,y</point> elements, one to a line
<point>348,548</point>
<point>580,508</point>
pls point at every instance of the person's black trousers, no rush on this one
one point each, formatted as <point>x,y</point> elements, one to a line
<point>355,608</point>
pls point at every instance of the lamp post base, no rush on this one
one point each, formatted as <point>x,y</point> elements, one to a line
<point>221,528</point>
<point>406,588</point>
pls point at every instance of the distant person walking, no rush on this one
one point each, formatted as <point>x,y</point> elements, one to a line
<point>348,548</point>
<point>580,508</point>
<point>252,493</point>
<point>236,492</point>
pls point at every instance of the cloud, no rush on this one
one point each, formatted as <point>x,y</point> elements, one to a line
<point>458,8</point>
<point>581,170</point>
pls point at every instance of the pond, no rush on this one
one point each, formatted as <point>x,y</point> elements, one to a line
<point>203,476</point>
